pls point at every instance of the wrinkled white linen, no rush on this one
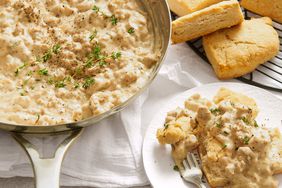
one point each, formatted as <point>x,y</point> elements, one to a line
<point>109,153</point>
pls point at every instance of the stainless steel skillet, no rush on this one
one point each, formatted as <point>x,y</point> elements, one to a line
<point>47,168</point>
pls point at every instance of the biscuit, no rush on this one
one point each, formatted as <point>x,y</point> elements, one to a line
<point>207,20</point>
<point>183,7</point>
<point>225,94</point>
<point>270,8</point>
<point>236,51</point>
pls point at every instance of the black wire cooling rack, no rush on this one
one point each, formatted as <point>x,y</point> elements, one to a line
<point>267,75</point>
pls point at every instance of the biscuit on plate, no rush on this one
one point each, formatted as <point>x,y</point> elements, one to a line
<point>225,94</point>
<point>270,8</point>
<point>183,7</point>
<point>236,51</point>
<point>207,20</point>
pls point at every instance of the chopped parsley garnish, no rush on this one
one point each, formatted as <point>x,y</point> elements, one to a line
<point>246,140</point>
<point>102,63</point>
<point>56,48</point>
<point>114,20</point>
<point>76,85</point>
<point>131,30</point>
<point>89,63</point>
<point>88,82</point>
<point>96,9</point>
<point>50,81</point>
<point>166,125</point>
<point>17,72</point>
<point>218,124</point>
<point>215,111</point>
<point>176,168</point>
<point>224,146</point>
<point>43,72</point>
<point>78,71</point>
<point>47,56</point>
<point>93,35</point>
<point>255,124</point>
<point>116,55</point>
<point>38,59</point>
<point>29,73</point>
<point>68,78</point>
<point>245,120</point>
<point>96,51</point>
<point>20,68</point>
<point>225,132</point>
<point>95,54</point>
<point>60,84</point>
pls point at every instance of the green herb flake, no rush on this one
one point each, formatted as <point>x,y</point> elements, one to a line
<point>50,81</point>
<point>17,72</point>
<point>166,126</point>
<point>56,48</point>
<point>255,124</point>
<point>38,59</point>
<point>246,140</point>
<point>116,55</point>
<point>20,68</point>
<point>224,146</point>
<point>96,9</point>
<point>78,71</point>
<point>102,63</point>
<point>93,35</point>
<point>68,78</point>
<point>60,84</point>
<point>245,120</point>
<point>131,30</point>
<point>96,52</point>
<point>176,168</point>
<point>76,85</point>
<point>114,20</point>
<point>47,56</point>
<point>89,63</point>
<point>43,72</point>
<point>29,73</point>
<point>218,125</point>
<point>88,82</point>
<point>225,132</point>
<point>215,111</point>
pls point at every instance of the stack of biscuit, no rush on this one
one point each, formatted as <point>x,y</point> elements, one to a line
<point>234,46</point>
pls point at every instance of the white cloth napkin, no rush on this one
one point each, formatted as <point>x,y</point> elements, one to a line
<point>109,153</point>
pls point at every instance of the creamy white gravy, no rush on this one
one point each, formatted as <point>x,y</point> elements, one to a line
<point>66,60</point>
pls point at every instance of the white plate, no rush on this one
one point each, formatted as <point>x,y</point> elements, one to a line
<point>157,159</point>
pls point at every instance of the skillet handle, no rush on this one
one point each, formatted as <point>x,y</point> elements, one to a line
<point>47,170</point>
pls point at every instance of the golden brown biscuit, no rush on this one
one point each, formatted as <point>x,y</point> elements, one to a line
<point>239,50</point>
<point>205,21</point>
<point>270,8</point>
<point>225,94</point>
<point>183,7</point>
